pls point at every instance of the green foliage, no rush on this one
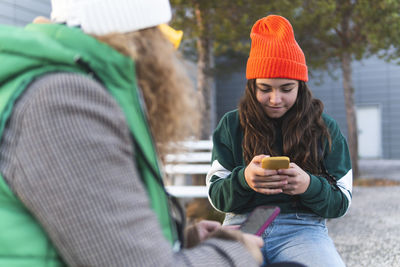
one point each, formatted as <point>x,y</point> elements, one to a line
<point>328,29</point>
<point>325,29</point>
<point>230,23</point>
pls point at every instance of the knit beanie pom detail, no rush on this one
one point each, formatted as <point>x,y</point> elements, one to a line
<point>274,51</point>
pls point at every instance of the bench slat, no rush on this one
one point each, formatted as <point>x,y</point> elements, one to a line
<point>192,157</point>
<point>187,168</point>
<point>187,191</point>
<point>195,145</point>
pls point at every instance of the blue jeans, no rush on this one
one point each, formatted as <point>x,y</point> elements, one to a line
<point>301,238</point>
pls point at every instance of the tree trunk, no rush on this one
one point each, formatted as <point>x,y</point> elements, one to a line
<point>352,132</point>
<point>205,79</point>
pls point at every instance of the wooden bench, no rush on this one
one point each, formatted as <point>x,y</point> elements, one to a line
<point>180,168</point>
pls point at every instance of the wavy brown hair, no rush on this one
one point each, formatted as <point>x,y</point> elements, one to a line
<point>171,101</point>
<point>303,129</point>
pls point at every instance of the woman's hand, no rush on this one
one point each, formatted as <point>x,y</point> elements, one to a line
<point>254,244</point>
<point>251,242</point>
<point>298,180</point>
<point>264,181</point>
<point>206,227</point>
<point>199,232</point>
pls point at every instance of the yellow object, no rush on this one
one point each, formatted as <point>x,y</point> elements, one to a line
<point>172,35</point>
<point>275,163</point>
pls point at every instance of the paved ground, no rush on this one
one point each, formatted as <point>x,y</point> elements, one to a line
<point>369,234</point>
<point>380,168</point>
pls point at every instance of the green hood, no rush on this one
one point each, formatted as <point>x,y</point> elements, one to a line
<point>37,45</point>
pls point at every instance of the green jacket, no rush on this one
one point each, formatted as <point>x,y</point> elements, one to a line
<point>229,191</point>
<point>25,55</point>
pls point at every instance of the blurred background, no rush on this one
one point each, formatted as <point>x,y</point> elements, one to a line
<point>351,47</point>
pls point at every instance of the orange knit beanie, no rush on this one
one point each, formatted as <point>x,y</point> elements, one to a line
<point>274,51</point>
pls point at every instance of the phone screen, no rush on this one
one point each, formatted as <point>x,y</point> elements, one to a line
<point>259,219</point>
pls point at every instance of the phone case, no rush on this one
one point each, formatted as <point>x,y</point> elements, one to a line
<point>275,163</point>
<point>259,219</point>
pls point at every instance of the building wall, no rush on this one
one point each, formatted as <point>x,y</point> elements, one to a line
<point>375,81</point>
<point>229,90</point>
<point>22,12</point>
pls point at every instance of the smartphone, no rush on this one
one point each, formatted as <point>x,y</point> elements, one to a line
<point>275,163</point>
<point>259,219</point>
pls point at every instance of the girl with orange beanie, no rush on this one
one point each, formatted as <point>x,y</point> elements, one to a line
<point>278,116</point>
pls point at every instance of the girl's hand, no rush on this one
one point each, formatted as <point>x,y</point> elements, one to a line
<point>264,181</point>
<point>298,180</point>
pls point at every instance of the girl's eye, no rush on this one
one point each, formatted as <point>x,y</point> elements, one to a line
<point>287,89</point>
<point>264,89</point>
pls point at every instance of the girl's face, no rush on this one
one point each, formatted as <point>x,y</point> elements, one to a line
<point>276,95</point>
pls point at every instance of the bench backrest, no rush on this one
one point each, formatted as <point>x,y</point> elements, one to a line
<point>194,159</point>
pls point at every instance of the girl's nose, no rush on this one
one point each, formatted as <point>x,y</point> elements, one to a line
<point>275,97</point>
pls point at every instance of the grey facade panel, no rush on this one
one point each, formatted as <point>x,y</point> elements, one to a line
<point>376,83</point>
<point>229,90</point>
<point>22,12</point>
<point>6,13</point>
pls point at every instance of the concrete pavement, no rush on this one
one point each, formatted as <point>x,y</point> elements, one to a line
<point>369,234</point>
<point>380,168</point>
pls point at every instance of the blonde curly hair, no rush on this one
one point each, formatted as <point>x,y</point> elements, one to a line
<point>173,106</point>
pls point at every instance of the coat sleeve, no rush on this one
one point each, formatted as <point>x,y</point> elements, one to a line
<point>228,190</point>
<point>322,198</point>
<point>74,170</point>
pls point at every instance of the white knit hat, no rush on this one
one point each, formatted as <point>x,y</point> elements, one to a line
<point>106,16</point>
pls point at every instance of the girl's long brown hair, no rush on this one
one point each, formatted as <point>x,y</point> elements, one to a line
<point>303,130</point>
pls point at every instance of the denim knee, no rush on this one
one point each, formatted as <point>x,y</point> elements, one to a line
<point>301,238</point>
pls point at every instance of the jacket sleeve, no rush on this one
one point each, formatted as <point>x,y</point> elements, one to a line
<point>327,200</point>
<point>74,170</point>
<point>228,190</point>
